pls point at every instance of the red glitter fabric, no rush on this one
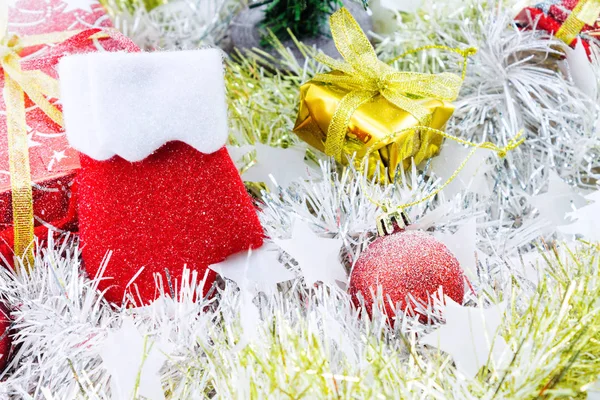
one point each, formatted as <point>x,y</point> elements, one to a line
<point>553,20</point>
<point>404,263</point>
<point>5,338</point>
<point>177,207</point>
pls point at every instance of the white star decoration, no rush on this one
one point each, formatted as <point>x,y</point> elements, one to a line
<point>249,319</point>
<point>254,270</point>
<point>471,337</point>
<point>317,257</point>
<point>462,245</point>
<point>274,166</point>
<point>531,264</point>
<point>59,155</point>
<point>580,69</point>
<point>472,176</point>
<point>84,5</point>
<point>559,200</point>
<point>127,355</point>
<point>588,219</point>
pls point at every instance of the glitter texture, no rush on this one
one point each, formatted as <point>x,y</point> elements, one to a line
<point>550,16</point>
<point>5,339</point>
<point>177,207</point>
<point>411,263</point>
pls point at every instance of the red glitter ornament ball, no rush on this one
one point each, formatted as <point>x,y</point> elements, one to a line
<point>408,262</point>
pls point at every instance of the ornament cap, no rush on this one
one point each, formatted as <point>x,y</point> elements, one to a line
<point>392,222</point>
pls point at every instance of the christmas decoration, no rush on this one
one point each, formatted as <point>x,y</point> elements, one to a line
<point>577,66</point>
<point>174,24</point>
<point>258,270</point>
<point>566,19</point>
<point>126,347</point>
<point>471,336</point>
<point>367,107</point>
<point>471,177</point>
<point>462,244</point>
<point>5,337</point>
<point>267,24</point>
<point>321,263</point>
<point>586,219</point>
<point>528,324</point>
<point>33,149</point>
<point>303,18</point>
<point>157,189</point>
<point>560,199</point>
<point>264,167</point>
<point>206,353</point>
<point>410,267</point>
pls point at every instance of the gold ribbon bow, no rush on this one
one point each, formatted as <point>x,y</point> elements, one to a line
<point>39,88</point>
<point>365,77</point>
<point>586,12</point>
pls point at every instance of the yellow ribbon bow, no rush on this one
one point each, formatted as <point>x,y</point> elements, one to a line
<point>365,77</point>
<point>586,12</point>
<point>39,88</point>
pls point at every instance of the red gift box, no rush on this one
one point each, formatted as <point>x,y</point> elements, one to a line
<point>53,162</point>
<point>550,17</point>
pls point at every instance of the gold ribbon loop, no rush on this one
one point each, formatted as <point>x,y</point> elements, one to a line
<point>365,77</point>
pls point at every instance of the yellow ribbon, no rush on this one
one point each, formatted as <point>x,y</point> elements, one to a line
<point>586,12</point>
<point>512,144</point>
<point>364,76</point>
<point>39,88</point>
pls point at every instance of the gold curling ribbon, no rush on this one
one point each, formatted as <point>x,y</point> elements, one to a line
<point>364,76</point>
<point>586,12</point>
<point>386,221</point>
<point>512,144</point>
<point>39,88</point>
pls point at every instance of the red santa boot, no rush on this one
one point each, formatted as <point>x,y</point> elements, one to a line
<point>157,189</point>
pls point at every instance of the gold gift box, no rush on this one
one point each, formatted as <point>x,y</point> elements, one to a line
<point>376,123</point>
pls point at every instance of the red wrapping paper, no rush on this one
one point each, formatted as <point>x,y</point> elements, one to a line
<point>53,162</point>
<point>549,17</point>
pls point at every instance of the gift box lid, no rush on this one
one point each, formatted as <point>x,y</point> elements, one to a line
<point>132,104</point>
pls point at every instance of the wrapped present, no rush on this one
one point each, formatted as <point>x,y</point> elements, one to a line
<point>569,20</point>
<point>366,108</point>
<point>157,189</point>
<point>35,153</point>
